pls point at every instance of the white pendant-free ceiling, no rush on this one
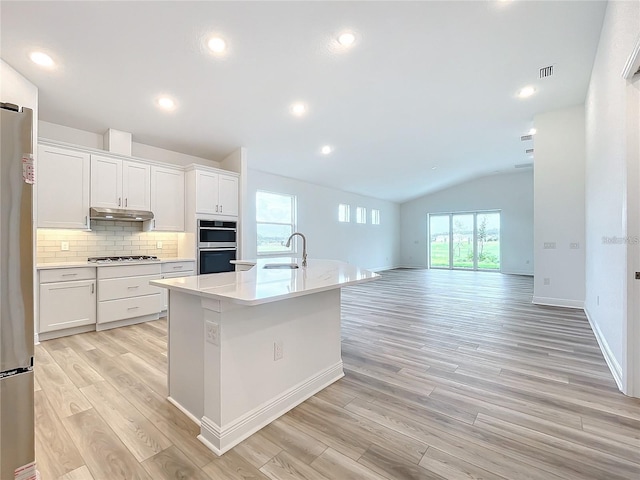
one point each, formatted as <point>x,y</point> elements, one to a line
<point>423,85</point>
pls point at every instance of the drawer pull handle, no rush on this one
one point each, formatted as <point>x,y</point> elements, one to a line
<point>132,308</point>
<point>134,286</point>
<point>69,274</point>
<point>178,267</point>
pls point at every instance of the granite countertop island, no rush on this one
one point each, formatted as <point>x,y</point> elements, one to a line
<point>246,347</point>
<point>260,285</point>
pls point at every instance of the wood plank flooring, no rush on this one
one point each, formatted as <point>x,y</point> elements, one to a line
<point>449,374</point>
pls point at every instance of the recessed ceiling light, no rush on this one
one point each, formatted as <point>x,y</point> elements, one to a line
<point>346,39</point>
<point>326,150</point>
<point>532,131</point>
<point>217,45</point>
<point>166,103</point>
<point>41,59</point>
<point>526,92</point>
<point>298,109</point>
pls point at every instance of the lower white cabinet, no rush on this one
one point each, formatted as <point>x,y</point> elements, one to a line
<point>67,298</point>
<point>175,270</point>
<point>124,293</point>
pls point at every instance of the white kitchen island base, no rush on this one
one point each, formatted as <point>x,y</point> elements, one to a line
<point>231,380</point>
<point>246,347</point>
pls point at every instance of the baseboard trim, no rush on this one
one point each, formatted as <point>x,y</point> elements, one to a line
<point>193,418</point>
<point>382,269</point>
<point>612,363</point>
<point>558,302</point>
<point>65,332</point>
<point>221,439</point>
<point>126,322</point>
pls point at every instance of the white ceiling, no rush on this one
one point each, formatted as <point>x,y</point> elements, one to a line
<point>427,84</point>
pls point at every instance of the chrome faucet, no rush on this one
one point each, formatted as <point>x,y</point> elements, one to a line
<point>304,246</point>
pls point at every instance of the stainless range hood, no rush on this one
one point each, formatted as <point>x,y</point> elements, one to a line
<point>120,214</point>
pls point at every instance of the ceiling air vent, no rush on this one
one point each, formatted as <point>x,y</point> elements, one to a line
<point>524,138</point>
<point>529,151</point>
<point>546,72</point>
<point>524,165</point>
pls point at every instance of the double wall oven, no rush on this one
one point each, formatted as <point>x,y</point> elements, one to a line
<point>217,246</point>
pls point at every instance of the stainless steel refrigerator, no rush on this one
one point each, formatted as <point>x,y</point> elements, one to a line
<point>17,450</point>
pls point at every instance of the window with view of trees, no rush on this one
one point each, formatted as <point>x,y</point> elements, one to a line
<point>276,221</point>
<point>469,240</point>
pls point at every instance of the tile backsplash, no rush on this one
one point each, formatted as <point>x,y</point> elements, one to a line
<point>106,238</point>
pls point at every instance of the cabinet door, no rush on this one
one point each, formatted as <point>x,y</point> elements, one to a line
<point>67,304</point>
<point>207,192</point>
<point>167,199</point>
<point>136,186</point>
<point>106,182</point>
<point>228,195</point>
<point>63,188</point>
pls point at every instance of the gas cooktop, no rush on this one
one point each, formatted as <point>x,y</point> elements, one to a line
<point>136,258</point>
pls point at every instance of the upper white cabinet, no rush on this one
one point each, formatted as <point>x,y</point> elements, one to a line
<point>167,198</point>
<point>216,193</point>
<point>117,183</point>
<point>63,188</point>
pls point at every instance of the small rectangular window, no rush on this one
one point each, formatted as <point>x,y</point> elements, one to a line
<point>276,220</point>
<point>361,215</point>
<point>344,213</point>
<point>375,216</point>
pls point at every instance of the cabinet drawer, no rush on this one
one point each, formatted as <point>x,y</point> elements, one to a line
<point>66,274</point>
<point>175,267</point>
<point>114,310</point>
<point>129,270</point>
<point>116,288</point>
<point>67,304</point>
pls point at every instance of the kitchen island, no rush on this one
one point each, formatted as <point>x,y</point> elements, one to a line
<point>245,347</point>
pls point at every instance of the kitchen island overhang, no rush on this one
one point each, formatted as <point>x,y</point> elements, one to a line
<point>246,347</point>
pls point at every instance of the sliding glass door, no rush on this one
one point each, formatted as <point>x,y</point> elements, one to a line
<point>465,240</point>
<point>440,249</point>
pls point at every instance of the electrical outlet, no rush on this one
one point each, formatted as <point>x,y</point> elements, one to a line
<point>547,281</point>
<point>278,350</point>
<point>549,245</point>
<point>64,246</point>
<point>213,333</point>
<point>159,245</point>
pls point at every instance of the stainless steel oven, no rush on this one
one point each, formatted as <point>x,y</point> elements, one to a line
<point>217,246</point>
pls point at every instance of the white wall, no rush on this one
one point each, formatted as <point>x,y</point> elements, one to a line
<point>612,195</point>
<point>94,140</point>
<point>510,193</point>
<point>559,208</point>
<point>368,246</point>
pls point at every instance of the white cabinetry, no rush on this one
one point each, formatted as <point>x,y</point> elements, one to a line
<point>216,192</point>
<point>174,270</point>
<point>117,183</point>
<point>67,298</point>
<point>125,296</point>
<point>167,198</point>
<point>63,188</point>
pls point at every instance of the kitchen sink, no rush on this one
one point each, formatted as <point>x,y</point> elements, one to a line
<point>281,265</point>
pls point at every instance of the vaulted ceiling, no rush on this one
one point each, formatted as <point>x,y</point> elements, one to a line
<point>425,97</point>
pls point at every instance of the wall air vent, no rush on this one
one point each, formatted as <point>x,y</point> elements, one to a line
<point>529,151</point>
<point>525,138</point>
<point>524,165</point>
<point>546,72</point>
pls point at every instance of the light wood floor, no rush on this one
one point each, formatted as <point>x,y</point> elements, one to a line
<point>448,375</point>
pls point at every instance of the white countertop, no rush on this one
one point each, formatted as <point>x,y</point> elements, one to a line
<point>259,285</point>
<point>45,266</point>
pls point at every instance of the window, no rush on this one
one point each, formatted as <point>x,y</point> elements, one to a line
<point>276,221</point>
<point>375,216</point>
<point>344,213</point>
<point>466,240</point>
<point>361,215</point>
